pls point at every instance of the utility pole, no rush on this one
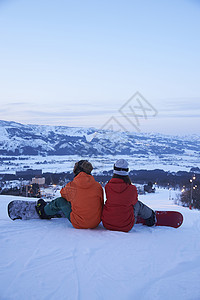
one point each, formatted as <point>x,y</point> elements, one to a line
<point>191,190</point>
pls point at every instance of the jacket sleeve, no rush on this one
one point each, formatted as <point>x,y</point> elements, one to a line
<point>68,192</point>
<point>63,192</point>
<point>135,195</point>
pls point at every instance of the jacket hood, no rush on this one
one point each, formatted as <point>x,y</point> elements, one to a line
<point>118,185</point>
<point>84,180</point>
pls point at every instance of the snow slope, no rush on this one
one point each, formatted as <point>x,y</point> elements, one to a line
<point>42,259</point>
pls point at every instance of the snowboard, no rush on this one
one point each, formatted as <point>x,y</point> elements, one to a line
<point>165,218</point>
<point>25,210</point>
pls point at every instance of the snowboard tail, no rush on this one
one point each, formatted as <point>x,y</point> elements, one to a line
<point>25,210</point>
<point>166,218</point>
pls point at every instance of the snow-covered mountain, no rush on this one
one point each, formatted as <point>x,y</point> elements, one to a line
<point>20,139</point>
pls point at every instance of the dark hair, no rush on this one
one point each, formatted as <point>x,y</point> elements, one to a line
<point>82,166</point>
<point>126,178</point>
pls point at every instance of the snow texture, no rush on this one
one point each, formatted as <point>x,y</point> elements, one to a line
<point>49,259</point>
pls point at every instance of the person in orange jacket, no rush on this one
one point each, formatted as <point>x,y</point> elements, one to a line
<point>81,199</point>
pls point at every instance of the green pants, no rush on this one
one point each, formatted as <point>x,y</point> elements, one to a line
<point>57,205</point>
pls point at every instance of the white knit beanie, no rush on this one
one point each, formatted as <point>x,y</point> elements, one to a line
<point>121,167</point>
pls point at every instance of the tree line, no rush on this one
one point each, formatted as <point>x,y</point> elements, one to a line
<point>190,195</point>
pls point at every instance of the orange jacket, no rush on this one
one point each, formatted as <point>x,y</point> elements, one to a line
<point>86,197</point>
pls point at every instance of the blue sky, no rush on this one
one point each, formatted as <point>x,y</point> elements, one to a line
<point>76,63</point>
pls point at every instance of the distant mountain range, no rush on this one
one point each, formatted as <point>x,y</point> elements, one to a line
<point>19,139</point>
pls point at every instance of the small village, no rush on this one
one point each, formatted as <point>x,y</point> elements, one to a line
<point>36,184</point>
<point>33,183</point>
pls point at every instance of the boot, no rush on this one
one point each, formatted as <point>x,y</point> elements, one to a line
<point>151,220</point>
<point>40,209</point>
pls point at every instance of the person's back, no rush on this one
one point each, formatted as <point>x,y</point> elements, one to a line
<point>118,213</point>
<point>86,197</point>
<point>122,206</point>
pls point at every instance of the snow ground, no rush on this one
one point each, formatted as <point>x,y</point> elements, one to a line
<point>49,259</point>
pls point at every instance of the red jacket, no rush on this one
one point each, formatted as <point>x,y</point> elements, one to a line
<point>86,197</point>
<point>118,211</point>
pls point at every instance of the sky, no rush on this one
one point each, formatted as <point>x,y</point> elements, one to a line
<point>132,64</point>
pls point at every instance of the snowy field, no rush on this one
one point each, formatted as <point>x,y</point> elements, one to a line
<point>172,163</point>
<point>49,259</point>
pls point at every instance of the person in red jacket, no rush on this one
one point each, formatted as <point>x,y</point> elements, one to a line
<point>81,200</point>
<point>122,206</point>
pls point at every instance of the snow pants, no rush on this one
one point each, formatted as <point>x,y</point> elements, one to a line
<point>62,205</point>
<point>142,210</point>
<point>58,205</point>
